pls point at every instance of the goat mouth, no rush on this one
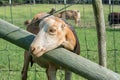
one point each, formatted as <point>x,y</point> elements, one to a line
<point>38,54</point>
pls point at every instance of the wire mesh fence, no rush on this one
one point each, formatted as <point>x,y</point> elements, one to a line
<point>11,56</point>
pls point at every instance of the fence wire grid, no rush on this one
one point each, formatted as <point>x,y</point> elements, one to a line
<point>11,56</point>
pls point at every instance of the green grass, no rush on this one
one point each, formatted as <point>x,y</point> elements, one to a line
<point>11,56</point>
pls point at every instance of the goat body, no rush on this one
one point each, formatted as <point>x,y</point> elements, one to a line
<point>114,18</point>
<point>68,14</point>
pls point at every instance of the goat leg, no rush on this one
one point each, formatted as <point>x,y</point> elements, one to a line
<point>68,75</point>
<point>51,72</point>
<point>27,58</point>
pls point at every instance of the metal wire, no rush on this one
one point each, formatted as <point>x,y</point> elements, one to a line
<point>87,50</point>
<point>111,7</point>
<point>86,44</point>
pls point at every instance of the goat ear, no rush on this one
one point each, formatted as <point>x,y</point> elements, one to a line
<point>27,22</point>
<point>70,41</point>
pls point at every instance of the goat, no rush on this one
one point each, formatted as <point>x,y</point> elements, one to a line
<point>51,32</point>
<point>68,14</point>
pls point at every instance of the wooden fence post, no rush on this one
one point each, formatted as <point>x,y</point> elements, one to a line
<point>101,32</point>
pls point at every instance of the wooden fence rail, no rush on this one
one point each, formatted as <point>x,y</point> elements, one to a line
<point>60,56</point>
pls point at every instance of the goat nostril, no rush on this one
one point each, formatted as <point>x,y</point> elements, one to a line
<point>43,49</point>
<point>32,49</point>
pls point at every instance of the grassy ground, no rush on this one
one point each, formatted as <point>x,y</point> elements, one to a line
<point>11,56</point>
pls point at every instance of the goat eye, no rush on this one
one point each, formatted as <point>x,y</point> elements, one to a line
<point>52,31</point>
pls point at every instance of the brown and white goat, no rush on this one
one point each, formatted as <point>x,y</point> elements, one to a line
<point>68,14</point>
<point>51,32</point>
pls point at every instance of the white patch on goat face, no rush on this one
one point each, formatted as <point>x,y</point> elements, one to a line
<point>49,37</point>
